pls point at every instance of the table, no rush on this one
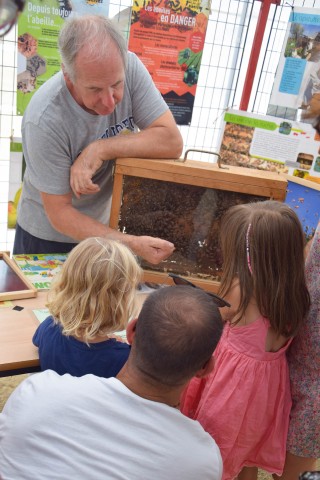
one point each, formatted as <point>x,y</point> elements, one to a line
<point>17,353</point>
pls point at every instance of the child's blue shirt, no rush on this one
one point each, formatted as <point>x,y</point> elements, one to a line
<point>65,354</point>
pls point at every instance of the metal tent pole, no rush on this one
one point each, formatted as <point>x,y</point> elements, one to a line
<point>255,51</point>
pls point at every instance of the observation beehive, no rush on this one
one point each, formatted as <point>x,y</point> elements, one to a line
<point>183,202</point>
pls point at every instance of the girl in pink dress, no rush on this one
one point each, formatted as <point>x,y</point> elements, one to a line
<point>245,402</point>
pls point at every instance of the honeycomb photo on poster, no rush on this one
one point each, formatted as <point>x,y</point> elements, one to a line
<point>235,144</point>
<point>305,160</point>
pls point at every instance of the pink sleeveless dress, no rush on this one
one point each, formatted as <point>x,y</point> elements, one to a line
<point>245,402</point>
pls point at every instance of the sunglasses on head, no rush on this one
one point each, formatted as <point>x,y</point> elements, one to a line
<point>220,302</point>
<point>9,11</point>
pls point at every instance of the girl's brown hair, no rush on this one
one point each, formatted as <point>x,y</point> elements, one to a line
<point>266,238</point>
<point>95,292</point>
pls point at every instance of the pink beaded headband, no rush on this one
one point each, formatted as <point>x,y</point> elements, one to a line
<point>248,248</point>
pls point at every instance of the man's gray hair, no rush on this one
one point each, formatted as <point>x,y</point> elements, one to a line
<point>95,32</point>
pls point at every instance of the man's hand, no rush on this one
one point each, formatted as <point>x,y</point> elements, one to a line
<point>83,169</point>
<point>151,249</point>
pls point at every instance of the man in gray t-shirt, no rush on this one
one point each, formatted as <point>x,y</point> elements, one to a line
<point>102,105</point>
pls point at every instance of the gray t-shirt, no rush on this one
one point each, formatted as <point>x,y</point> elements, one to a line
<point>55,129</point>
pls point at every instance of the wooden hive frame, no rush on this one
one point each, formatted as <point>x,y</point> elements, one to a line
<point>202,174</point>
<point>14,285</point>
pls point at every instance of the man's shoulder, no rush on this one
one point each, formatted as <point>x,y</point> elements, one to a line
<point>50,87</point>
<point>190,451</point>
<point>134,64</point>
<point>50,384</point>
<point>193,433</point>
<point>132,58</point>
<point>44,97</point>
<point>200,451</point>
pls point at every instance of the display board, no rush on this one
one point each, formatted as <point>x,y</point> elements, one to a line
<point>38,29</point>
<point>270,144</point>
<point>297,81</point>
<point>168,37</point>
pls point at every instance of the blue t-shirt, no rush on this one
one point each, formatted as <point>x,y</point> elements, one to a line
<point>65,354</point>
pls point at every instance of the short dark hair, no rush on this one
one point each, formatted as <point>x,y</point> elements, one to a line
<point>176,333</point>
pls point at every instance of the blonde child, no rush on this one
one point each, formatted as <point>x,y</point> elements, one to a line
<point>245,402</point>
<point>91,298</point>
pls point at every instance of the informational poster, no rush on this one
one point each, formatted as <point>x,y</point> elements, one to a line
<point>297,82</point>
<point>271,144</point>
<point>168,36</point>
<point>38,30</point>
<point>15,180</point>
<point>278,145</point>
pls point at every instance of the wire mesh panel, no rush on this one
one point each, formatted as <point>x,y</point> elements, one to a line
<point>9,123</point>
<point>219,73</point>
<point>222,59</point>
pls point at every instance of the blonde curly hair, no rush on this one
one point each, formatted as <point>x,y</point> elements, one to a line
<point>94,294</point>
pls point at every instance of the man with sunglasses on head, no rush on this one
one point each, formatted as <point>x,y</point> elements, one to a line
<point>102,105</point>
<point>128,427</point>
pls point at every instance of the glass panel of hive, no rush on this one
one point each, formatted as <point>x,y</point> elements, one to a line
<point>184,203</point>
<point>188,216</point>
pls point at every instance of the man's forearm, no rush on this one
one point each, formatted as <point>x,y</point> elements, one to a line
<point>68,220</point>
<point>78,226</point>
<point>151,143</point>
<point>161,140</point>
